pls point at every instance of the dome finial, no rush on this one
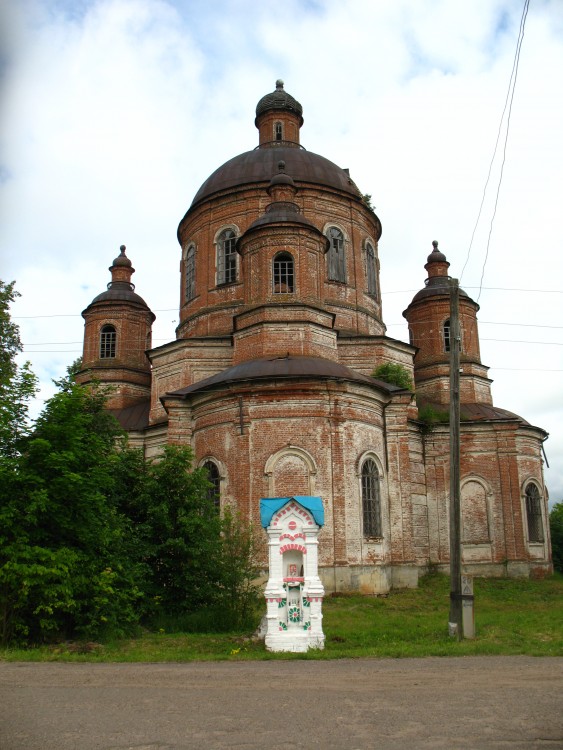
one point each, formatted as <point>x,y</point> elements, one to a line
<point>281,166</point>
<point>121,260</point>
<point>279,84</point>
<point>436,256</point>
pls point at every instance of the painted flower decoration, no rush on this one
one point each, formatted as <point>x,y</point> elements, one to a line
<point>294,614</point>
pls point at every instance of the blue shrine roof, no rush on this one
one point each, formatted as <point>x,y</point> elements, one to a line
<point>270,505</point>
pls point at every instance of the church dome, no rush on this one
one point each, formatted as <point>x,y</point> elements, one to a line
<point>279,100</point>
<point>438,282</point>
<point>120,288</point>
<point>260,164</point>
<point>120,291</point>
<point>288,367</point>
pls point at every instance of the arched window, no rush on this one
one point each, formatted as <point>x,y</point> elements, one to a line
<point>108,340</point>
<point>283,274</point>
<point>447,335</point>
<point>214,491</point>
<point>533,513</point>
<point>371,269</point>
<point>447,332</point>
<point>371,499</point>
<point>336,257</point>
<point>190,273</point>
<point>226,257</point>
<point>278,131</point>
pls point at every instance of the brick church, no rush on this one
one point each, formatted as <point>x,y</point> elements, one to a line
<point>269,378</point>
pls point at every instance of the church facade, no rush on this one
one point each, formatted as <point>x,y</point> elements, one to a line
<point>269,379</point>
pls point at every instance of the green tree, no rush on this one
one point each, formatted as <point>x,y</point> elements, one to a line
<point>180,532</point>
<point>396,374</point>
<point>200,566</point>
<point>64,567</point>
<point>93,537</point>
<point>18,385</point>
<point>556,527</point>
<point>240,594</point>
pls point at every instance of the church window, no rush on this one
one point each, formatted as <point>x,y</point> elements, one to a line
<point>336,257</point>
<point>371,269</point>
<point>278,131</point>
<point>533,513</point>
<point>371,499</point>
<point>283,274</point>
<point>447,334</point>
<point>190,273</point>
<point>108,340</point>
<point>226,257</point>
<point>214,478</point>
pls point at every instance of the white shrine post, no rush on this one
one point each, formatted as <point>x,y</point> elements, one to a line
<point>294,592</point>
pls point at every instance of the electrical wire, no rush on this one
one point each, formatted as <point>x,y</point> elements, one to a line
<point>508,99</point>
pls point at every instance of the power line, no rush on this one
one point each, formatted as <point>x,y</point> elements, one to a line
<point>515,76</point>
<point>517,341</point>
<point>506,101</point>
<point>523,325</point>
<point>484,322</point>
<point>75,315</point>
<point>525,369</point>
<point>393,291</point>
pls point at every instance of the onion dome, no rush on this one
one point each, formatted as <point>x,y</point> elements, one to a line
<point>282,209</point>
<point>438,281</point>
<point>120,288</point>
<point>436,256</point>
<point>279,100</point>
<point>281,178</point>
<point>122,259</point>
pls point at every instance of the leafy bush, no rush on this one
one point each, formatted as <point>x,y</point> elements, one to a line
<point>94,539</point>
<point>396,374</point>
<point>556,527</point>
<point>431,416</point>
<point>63,565</point>
<point>240,594</point>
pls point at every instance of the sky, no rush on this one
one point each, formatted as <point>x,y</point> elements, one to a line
<point>113,112</point>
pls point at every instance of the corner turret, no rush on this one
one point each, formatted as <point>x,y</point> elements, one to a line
<point>117,334</point>
<point>428,316</point>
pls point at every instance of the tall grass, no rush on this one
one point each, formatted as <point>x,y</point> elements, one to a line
<point>511,617</point>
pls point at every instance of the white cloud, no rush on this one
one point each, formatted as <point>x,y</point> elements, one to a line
<point>117,110</point>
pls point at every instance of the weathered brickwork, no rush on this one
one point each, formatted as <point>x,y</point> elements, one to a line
<point>117,336</point>
<point>281,327</point>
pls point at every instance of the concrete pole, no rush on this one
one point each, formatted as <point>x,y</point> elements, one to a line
<point>456,619</point>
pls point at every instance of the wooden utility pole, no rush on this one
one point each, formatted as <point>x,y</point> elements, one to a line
<point>455,621</point>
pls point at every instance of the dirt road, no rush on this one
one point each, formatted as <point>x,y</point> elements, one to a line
<point>474,702</point>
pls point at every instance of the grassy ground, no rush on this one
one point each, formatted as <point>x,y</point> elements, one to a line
<point>511,617</point>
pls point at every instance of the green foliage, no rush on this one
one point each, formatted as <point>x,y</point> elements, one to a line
<point>180,533</point>
<point>511,617</point>
<point>431,416</point>
<point>556,527</point>
<point>63,563</point>
<point>18,385</point>
<point>240,595</point>
<point>67,380</point>
<point>92,537</point>
<point>10,340</point>
<point>396,374</point>
<point>366,198</point>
